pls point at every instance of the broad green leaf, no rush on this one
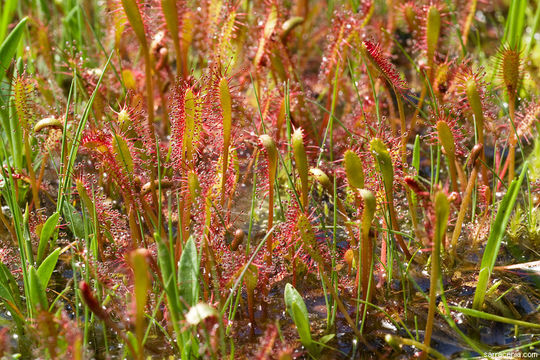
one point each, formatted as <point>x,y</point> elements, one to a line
<point>8,10</point>
<point>134,344</point>
<point>302,325</point>
<point>9,46</point>
<point>327,338</point>
<point>46,268</point>
<point>166,266</point>
<point>74,220</point>
<point>37,293</point>
<point>7,279</point>
<point>47,231</point>
<point>189,273</point>
<point>298,311</point>
<point>7,299</point>
<point>5,292</point>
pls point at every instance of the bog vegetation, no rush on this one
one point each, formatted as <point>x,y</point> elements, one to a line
<point>269,179</point>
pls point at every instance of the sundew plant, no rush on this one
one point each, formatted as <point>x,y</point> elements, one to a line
<point>269,179</point>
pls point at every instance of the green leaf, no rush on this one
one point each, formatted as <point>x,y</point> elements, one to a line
<point>302,325</point>
<point>298,311</point>
<point>515,23</point>
<point>8,10</point>
<point>37,294</point>
<point>47,231</point>
<point>496,233</point>
<point>166,266</point>
<point>9,46</point>
<point>9,302</point>
<point>189,273</point>
<point>46,268</point>
<point>6,291</point>
<point>65,184</point>
<point>134,344</point>
<point>327,338</point>
<point>75,221</point>
<point>8,281</point>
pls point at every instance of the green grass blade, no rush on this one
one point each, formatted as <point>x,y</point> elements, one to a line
<point>495,237</point>
<point>8,10</point>
<point>77,138</point>
<point>515,23</point>
<point>491,317</point>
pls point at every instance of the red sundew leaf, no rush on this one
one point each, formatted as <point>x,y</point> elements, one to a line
<point>385,67</point>
<point>345,27</point>
<point>269,27</point>
<point>527,117</point>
